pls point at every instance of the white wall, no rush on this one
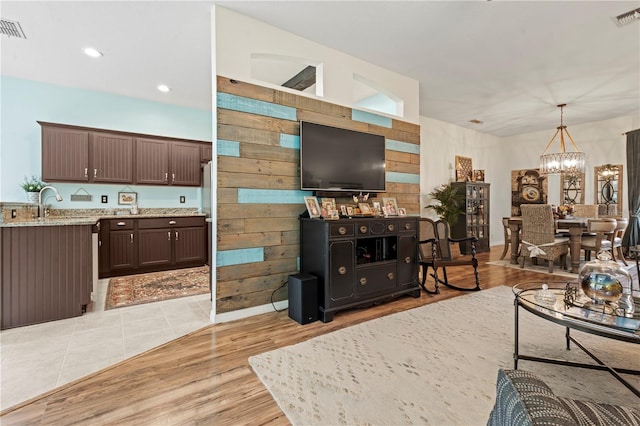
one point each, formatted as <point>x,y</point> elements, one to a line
<point>240,36</point>
<point>602,141</point>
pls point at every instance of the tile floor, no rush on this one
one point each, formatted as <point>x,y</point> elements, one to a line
<point>38,358</point>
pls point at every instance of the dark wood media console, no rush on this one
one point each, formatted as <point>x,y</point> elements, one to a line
<point>360,261</point>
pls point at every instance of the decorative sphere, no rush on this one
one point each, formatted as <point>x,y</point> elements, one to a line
<point>604,280</point>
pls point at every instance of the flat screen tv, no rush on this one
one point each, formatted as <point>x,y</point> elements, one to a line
<point>334,159</point>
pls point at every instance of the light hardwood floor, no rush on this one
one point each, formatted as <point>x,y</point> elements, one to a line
<point>205,378</point>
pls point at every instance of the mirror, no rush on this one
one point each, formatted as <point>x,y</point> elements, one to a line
<point>572,188</point>
<point>608,189</point>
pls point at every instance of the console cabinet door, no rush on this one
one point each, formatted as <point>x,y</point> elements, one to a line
<point>190,245</point>
<point>407,260</point>
<point>152,161</point>
<point>341,270</point>
<point>122,250</point>
<point>112,158</point>
<point>65,154</point>
<point>154,247</point>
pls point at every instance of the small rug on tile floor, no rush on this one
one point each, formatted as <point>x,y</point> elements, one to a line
<point>156,286</point>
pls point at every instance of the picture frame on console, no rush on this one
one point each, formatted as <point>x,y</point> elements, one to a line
<point>390,206</point>
<point>312,206</point>
<point>365,209</point>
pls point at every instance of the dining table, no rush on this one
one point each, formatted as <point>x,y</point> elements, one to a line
<point>575,226</point>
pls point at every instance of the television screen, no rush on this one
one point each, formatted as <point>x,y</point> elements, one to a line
<point>334,159</point>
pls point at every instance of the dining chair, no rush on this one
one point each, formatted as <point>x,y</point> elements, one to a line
<point>616,239</point>
<point>607,210</point>
<point>538,236</point>
<point>599,234</point>
<point>435,251</point>
<point>507,237</point>
<point>585,210</point>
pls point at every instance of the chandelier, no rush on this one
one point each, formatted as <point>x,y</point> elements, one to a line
<point>562,162</point>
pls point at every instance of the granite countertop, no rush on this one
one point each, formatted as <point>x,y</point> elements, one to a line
<point>92,216</point>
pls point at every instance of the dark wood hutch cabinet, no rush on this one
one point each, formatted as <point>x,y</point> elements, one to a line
<point>474,220</point>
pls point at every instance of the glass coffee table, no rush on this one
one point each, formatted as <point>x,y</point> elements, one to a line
<point>565,304</point>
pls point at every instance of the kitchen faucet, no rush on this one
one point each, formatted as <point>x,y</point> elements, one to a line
<point>41,212</point>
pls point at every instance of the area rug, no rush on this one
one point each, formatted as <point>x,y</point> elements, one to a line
<point>436,364</point>
<point>144,288</point>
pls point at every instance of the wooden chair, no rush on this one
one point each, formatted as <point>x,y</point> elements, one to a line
<point>600,231</point>
<point>507,237</point>
<point>435,252</point>
<point>616,239</point>
<point>538,236</point>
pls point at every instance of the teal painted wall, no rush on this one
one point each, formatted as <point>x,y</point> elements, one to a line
<point>23,102</point>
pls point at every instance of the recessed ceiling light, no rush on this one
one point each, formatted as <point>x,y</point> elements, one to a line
<point>90,51</point>
<point>164,88</point>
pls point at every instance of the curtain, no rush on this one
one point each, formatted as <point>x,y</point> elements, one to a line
<point>632,234</point>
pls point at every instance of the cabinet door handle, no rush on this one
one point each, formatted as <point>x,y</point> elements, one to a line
<point>363,281</point>
<point>173,178</point>
<point>95,173</point>
<point>131,235</point>
<point>407,226</point>
<point>86,172</point>
<point>166,176</point>
<point>407,259</point>
<point>342,230</point>
<point>363,229</point>
<point>342,270</point>
<point>390,276</point>
<point>172,222</point>
<point>176,235</point>
<point>168,235</point>
<point>391,227</point>
<point>121,223</point>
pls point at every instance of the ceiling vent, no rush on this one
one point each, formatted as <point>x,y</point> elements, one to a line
<point>11,28</point>
<point>629,17</point>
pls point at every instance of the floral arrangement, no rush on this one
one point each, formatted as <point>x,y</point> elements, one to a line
<point>565,210</point>
<point>32,184</point>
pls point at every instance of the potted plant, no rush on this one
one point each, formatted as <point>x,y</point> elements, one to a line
<point>32,186</point>
<point>449,200</point>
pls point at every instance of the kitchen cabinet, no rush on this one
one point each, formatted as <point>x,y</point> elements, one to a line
<point>111,158</point>
<point>65,154</point>
<point>151,244</point>
<point>81,155</point>
<point>164,162</point>
<point>46,273</point>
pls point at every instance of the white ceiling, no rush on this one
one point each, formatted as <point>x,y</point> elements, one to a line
<point>506,63</point>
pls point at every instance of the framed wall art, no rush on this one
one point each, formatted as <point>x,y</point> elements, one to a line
<point>464,169</point>
<point>127,198</point>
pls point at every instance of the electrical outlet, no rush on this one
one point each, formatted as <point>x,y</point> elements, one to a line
<point>14,213</point>
<point>182,199</point>
<point>105,199</point>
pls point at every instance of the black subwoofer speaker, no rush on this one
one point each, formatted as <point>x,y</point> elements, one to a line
<point>303,298</point>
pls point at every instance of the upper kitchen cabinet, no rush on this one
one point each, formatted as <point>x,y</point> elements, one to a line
<point>65,154</point>
<point>80,155</point>
<point>164,162</point>
<point>112,157</point>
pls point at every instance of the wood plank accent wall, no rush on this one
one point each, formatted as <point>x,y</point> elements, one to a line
<point>259,196</point>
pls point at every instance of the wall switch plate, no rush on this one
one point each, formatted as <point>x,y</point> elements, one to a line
<point>182,199</point>
<point>105,199</point>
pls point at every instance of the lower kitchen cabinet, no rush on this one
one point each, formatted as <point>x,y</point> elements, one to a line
<point>152,244</point>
